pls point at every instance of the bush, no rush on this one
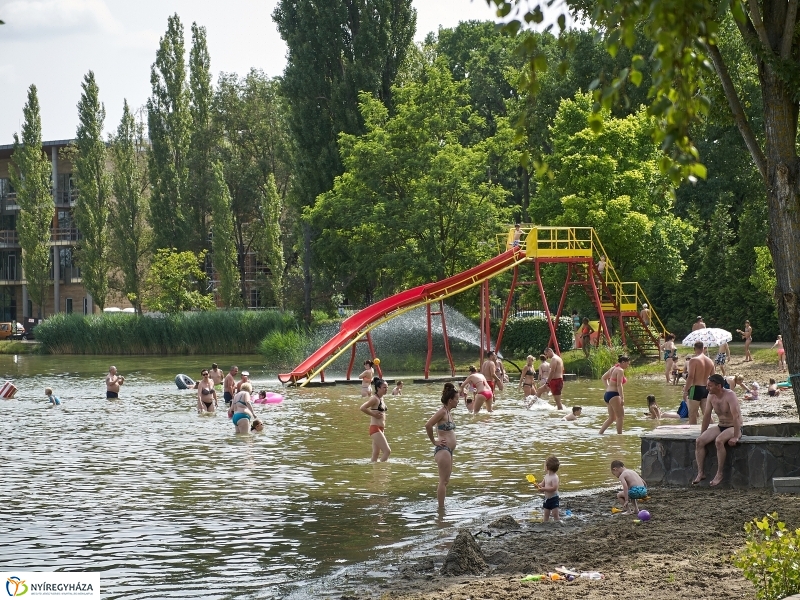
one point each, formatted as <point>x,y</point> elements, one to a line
<point>771,558</point>
<point>531,336</point>
<point>601,359</point>
<point>283,350</point>
<point>214,332</point>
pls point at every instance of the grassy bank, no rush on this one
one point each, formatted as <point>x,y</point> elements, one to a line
<point>213,332</point>
<point>18,347</point>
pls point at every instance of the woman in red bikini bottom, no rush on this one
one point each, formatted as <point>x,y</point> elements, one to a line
<point>375,407</point>
<point>483,393</point>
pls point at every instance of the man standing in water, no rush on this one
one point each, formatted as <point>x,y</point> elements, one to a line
<point>229,385</point>
<point>698,369</point>
<point>489,370</point>
<point>113,381</point>
<point>555,380</point>
<point>215,374</point>
<point>726,432</point>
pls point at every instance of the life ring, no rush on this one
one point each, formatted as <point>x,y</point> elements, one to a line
<point>184,382</point>
<point>270,398</point>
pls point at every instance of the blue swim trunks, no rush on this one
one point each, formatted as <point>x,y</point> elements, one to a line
<point>637,492</point>
<point>551,503</point>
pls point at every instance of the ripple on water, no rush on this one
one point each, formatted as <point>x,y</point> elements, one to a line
<point>168,504</point>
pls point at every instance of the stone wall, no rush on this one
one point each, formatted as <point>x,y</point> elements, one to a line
<point>668,455</point>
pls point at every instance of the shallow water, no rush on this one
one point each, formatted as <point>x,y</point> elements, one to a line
<point>170,504</point>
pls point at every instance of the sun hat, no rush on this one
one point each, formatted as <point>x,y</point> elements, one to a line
<point>245,374</point>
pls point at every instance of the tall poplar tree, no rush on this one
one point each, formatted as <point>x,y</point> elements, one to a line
<point>223,241</point>
<point>170,123</point>
<point>94,192</point>
<point>30,175</point>
<point>132,237</point>
<point>201,170</point>
<point>270,247</point>
<point>334,54</point>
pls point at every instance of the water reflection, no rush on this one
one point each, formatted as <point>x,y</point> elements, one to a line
<point>170,504</point>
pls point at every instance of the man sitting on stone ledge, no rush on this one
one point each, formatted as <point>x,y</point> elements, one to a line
<point>727,431</point>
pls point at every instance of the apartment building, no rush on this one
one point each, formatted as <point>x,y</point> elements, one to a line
<point>67,293</point>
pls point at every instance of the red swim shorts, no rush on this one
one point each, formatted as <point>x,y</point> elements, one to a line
<point>491,384</point>
<point>556,385</point>
<point>375,429</point>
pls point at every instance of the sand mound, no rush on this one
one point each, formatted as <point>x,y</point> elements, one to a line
<point>465,557</point>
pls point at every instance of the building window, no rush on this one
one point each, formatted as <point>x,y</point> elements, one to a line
<point>85,305</point>
<point>68,306</point>
<point>30,307</point>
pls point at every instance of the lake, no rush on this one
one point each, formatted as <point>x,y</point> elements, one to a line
<point>169,504</point>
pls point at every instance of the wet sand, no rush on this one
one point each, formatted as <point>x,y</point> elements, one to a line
<point>683,551</point>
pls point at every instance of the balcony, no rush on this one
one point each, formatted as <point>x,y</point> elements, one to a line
<point>58,237</point>
<point>63,199</point>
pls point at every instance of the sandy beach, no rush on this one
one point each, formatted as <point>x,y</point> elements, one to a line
<point>683,551</point>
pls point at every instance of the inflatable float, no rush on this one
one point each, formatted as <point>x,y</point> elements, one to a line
<point>8,390</point>
<point>184,382</point>
<point>270,398</point>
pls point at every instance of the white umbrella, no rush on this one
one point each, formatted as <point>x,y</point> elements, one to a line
<point>710,336</point>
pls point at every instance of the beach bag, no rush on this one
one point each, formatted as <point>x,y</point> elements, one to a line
<point>683,410</point>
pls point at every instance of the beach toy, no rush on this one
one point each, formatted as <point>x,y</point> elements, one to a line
<point>637,521</point>
<point>184,382</point>
<point>556,577</point>
<point>592,575</point>
<point>270,398</point>
<point>531,478</point>
<point>644,515</point>
<point>615,510</point>
<point>376,361</point>
<point>570,577</point>
<point>532,578</point>
<point>568,513</point>
<point>8,390</point>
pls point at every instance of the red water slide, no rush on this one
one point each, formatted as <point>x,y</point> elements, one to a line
<point>364,320</point>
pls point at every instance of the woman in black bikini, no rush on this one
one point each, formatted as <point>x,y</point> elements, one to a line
<point>375,407</point>
<point>527,378</point>
<point>206,396</point>
<point>445,444</point>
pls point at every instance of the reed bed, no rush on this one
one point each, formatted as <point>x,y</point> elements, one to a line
<point>212,332</point>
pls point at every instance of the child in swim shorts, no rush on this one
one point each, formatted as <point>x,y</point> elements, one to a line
<point>53,400</point>
<point>550,488</point>
<point>633,486</point>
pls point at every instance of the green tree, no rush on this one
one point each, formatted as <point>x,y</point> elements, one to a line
<point>130,249</point>
<point>610,180</point>
<point>251,120</point>
<point>764,277</point>
<point>333,55</point>
<point>684,38</point>
<point>203,138</point>
<point>270,247</point>
<point>409,183</point>
<point>171,284</point>
<point>30,175</point>
<point>94,187</point>
<point>169,124</point>
<point>223,241</point>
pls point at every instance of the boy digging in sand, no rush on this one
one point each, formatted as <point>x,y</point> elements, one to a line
<point>633,486</point>
<point>550,488</point>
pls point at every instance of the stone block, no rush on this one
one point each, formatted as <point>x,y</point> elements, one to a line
<point>786,485</point>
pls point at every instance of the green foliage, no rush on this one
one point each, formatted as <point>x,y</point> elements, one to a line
<point>223,242</point>
<point>170,124</point>
<point>130,250</point>
<point>203,139</point>
<point>94,193</point>
<point>172,280</point>
<point>30,174</point>
<point>610,180</point>
<point>250,115</point>
<point>602,358</point>
<point>269,245</point>
<point>181,333</point>
<point>532,334</point>
<point>764,278</point>
<point>770,558</point>
<point>409,183</point>
<point>283,350</point>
